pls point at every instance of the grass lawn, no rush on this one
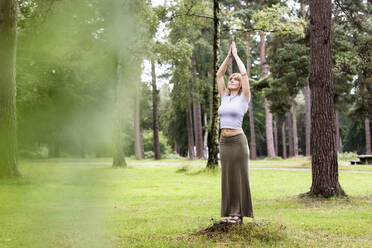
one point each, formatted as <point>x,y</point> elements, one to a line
<point>62,203</point>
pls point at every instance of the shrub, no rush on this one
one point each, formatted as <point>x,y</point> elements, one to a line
<point>148,142</point>
<point>347,156</point>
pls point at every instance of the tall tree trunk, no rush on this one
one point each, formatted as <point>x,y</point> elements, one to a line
<point>198,128</point>
<point>324,160</point>
<point>213,140</point>
<point>190,132</point>
<point>295,137</point>
<point>290,135</point>
<point>268,115</point>
<point>138,140</point>
<point>118,119</point>
<point>338,136</point>
<point>253,151</point>
<point>283,141</point>
<point>276,137</point>
<point>53,149</point>
<point>308,119</point>
<point>230,66</point>
<point>8,136</point>
<point>205,142</point>
<point>368,136</point>
<point>155,111</point>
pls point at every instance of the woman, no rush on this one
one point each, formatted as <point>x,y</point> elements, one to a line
<point>234,152</point>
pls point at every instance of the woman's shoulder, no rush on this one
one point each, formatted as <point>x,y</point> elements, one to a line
<point>244,99</point>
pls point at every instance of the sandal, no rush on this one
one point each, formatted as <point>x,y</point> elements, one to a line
<point>224,221</point>
<point>234,220</point>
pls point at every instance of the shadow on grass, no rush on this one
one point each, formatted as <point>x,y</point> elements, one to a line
<point>252,232</point>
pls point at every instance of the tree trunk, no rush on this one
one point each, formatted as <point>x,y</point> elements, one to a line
<point>368,136</point>
<point>138,141</point>
<point>253,152</point>
<point>276,137</point>
<point>324,159</point>
<point>8,41</point>
<point>205,142</point>
<point>290,135</point>
<point>308,119</point>
<point>268,115</point>
<point>118,119</point>
<point>155,112</point>
<point>53,149</point>
<point>230,66</point>
<point>295,137</point>
<point>198,128</point>
<point>338,136</point>
<point>190,132</point>
<point>283,141</point>
<point>213,140</point>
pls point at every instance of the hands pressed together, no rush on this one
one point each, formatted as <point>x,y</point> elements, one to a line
<point>232,50</point>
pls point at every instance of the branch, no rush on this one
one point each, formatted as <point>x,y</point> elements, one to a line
<point>255,29</point>
<point>349,16</point>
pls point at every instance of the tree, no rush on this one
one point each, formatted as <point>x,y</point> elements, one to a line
<point>8,40</point>
<point>268,114</point>
<point>213,137</point>
<point>324,159</point>
<point>354,16</point>
<point>138,139</point>
<point>155,112</point>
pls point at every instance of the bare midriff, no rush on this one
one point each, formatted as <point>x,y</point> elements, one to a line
<point>230,132</point>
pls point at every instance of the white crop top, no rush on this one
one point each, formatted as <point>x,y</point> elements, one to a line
<point>232,110</point>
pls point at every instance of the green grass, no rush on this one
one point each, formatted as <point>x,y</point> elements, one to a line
<point>66,203</point>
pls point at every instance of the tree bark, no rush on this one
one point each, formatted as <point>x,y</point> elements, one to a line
<point>205,142</point>
<point>138,140</point>
<point>276,137</point>
<point>118,119</point>
<point>295,137</point>
<point>324,159</point>
<point>290,135</point>
<point>230,66</point>
<point>213,140</point>
<point>308,119</point>
<point>368,136</point>
<point>338,136</point>
<point>8,41</point>
<point>190,132</point>
<point>155,112</point>
<point>283,141</point>
<point>268,115</point>
<point>198,128</point>
<point>253,151</point>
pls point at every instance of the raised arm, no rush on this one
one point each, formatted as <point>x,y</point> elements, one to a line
<point>245,83</point>
<point>221,72</point>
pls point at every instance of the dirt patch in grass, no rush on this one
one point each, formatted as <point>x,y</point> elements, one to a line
<point>251,232</point>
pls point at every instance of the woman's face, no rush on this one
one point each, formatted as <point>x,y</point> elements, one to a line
<point>234,83</point>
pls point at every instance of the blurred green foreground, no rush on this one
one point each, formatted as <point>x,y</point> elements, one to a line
<point>162,204</point>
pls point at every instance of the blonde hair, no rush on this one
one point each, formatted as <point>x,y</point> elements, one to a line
<point>239,77</point>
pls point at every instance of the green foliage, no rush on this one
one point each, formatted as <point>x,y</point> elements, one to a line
<point>274,158</point>
<point>278,18</point>
<point>347,156</point>
<point>148,141</point>
<point>289,67</point>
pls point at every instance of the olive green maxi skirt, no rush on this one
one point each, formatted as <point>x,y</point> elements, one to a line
<point>236,194</point>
